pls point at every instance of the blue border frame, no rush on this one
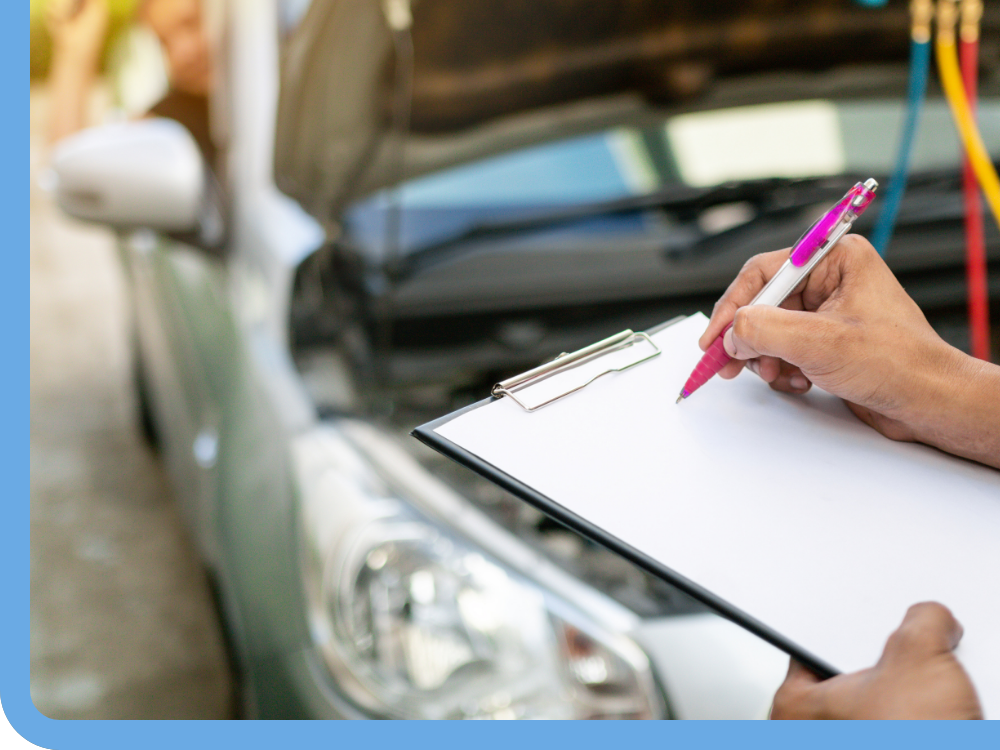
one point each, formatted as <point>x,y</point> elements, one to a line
<point>14,556</point>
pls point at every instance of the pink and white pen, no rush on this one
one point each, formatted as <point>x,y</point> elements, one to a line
<point>811,248</point>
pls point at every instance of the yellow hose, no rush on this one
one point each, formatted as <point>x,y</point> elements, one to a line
<point>954,90</point>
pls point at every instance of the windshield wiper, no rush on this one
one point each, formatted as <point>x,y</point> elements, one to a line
<point>773,199</point>
<point>768,197</point>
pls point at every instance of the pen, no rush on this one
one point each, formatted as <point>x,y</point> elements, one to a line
<point>811,248</point>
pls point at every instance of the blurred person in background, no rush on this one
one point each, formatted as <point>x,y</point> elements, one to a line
<point>79,29</point>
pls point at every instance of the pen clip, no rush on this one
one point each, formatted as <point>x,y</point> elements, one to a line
<point>847,209</point>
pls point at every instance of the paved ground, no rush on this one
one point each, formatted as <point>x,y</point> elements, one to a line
<point>122,624</point>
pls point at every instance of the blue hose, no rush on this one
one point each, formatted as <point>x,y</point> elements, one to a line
<point>920,55</point>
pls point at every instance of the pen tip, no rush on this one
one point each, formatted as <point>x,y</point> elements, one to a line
<point>680,398</point>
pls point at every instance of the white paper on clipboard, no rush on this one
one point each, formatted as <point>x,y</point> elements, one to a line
<point>786,507</point>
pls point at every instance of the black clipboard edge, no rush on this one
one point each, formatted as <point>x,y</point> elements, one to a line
<point>427,435</point>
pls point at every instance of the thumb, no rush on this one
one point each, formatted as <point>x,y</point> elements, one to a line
<point>928,630</point>
<point>761,330</point>
<point>798,674</point>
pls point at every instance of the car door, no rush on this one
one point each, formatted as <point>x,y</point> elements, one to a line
<point>182,336</point>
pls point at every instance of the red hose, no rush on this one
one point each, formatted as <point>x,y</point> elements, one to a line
<point>975,257</point>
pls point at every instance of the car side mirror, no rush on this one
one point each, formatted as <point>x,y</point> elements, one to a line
<point>144,174</point>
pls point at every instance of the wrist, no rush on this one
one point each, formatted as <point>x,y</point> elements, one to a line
<point>78,67</point>
<point>82,52</point>
<point>959,411</point>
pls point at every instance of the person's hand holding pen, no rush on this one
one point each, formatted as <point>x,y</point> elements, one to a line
<point>853,331</point>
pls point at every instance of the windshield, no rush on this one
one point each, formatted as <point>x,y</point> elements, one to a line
<point>796,139</point>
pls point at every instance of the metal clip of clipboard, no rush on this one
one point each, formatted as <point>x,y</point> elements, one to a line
<point>565,362</point>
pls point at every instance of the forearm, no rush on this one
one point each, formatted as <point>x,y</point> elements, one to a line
<point>962,415</point>
<point>70,83</point>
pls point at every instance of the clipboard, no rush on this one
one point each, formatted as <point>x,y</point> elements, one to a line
<point>636,356</point>
<point>428,435</point>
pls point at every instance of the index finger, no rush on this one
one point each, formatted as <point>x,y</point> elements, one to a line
<point>755,274</point>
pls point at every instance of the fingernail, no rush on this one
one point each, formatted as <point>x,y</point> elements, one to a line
<point>727,343</point>
<point>798,382</point>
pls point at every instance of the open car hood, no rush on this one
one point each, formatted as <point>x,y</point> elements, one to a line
<point>481,66</point>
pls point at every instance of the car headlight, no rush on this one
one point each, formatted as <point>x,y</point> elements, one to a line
<point>414,621</point>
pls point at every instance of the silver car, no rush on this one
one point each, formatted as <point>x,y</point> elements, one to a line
<point>404,206</point>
